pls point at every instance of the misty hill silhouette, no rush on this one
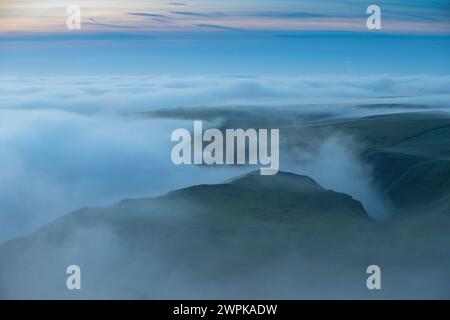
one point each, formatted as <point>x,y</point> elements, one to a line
<point>281,236</point>
<point>209,232</point>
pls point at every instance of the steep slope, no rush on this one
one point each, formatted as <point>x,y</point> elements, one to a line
<point>414,171</point>
<point>409,153</point>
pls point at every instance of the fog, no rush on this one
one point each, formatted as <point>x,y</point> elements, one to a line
<point>175,258</point>
<point>66,144</point>
<point>335,163</point>
<point>134,94</point>
<point>53,162</point>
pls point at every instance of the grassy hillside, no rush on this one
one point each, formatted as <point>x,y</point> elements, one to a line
<point>409,152</point>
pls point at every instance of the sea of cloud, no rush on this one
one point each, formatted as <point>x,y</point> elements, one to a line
<point>53,162</point>
<point>90,95</point>
<point>64,142</point>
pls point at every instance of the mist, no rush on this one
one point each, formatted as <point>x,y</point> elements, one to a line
<point>113,95</point>
<point>335,163</point>
<point>66,145</point>
<point>53,162</point>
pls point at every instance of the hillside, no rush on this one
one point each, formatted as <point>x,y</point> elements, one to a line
<point>265,237</point>
<point>199,236</point>
<point>408,152</point>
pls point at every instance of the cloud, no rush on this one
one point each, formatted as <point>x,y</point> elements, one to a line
<point>53,162</point>
<point>335,164</point>
<point>64,143</point>
<point>200,14</point>
<point>237,15</point>
<point>263,15</point>
<point>215,26</point>
<point>285,14</point>
<point>146,14</point>
<point>161,18</point>
<point>90,95</point>
<point>109,25</point>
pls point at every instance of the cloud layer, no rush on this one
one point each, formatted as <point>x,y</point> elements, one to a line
<point>64,143</point>
<point>89,95</point>
<point>52,162</point>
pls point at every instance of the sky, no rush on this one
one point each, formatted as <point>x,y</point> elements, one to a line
<point>250,37</point>
<point>195,15</point>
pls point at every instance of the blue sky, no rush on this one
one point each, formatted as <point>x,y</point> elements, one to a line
<point>265,37</point>
<point>215,37</point>
<point>289,53</point>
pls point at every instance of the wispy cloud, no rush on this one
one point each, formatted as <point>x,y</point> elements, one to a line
<point>146,14</point>
<point>177,4</point>
<point>215,26</point>
<point>93,22</point>
<point>417,16</point>
<point>201,14</point>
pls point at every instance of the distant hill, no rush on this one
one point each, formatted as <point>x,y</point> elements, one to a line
<point>408,151</point>
<point>410,155</point>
